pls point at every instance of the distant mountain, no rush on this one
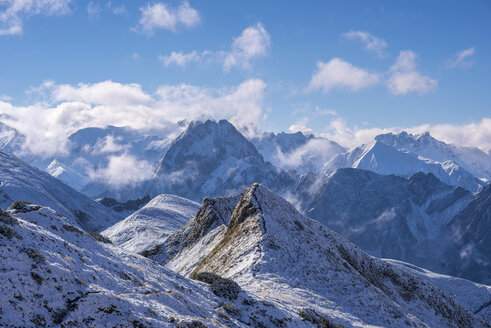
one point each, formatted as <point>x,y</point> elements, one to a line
<point>378,157</point>
<point>149,225</point>
<point>269,249</point>
<point>296,151</point>
<point>473,160</point>
<point>19,181</point>
<point>213,159</point>
<point>391,216</point>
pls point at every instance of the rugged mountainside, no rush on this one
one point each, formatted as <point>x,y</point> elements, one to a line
<point>469,232</point>
<point>296,151</point>
<point>21,181</point>
<point>274,252</point>
<point>149,225</point>
<point>378,157</point>
<point>393,217</point>
<point>471,159</point>
<point>213,159</point>
<point>54,274</point>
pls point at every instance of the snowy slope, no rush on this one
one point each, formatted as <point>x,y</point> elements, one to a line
<point>378,157</point>
<point>68,175</point>
<point>213,159</point>
<point>145,228</point>
<point>21,181</point>
<point>55,274</point>
<point>471,159</point>
<point>275,253</point>
<point>296,151</point>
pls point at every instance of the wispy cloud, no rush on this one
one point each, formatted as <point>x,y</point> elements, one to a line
<point>159,16</point>
<point>182,59</point>
<point>13,12</point>
<point>406,79</point>
<point>462,59</point>
<point>339,74</point>
<point>369,42</point>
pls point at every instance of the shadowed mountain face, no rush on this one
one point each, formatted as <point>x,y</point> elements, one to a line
<point>213,159</point>
<point>398,218</point>
<point>19,181</point>
<point>469,232</point>
<point>264,244</point>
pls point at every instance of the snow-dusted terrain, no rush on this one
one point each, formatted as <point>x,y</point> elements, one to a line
<point>19,181</point>
<point>54,274</point>
<point>275,253</point>
<point>148,226</point>
<point>381,158</point>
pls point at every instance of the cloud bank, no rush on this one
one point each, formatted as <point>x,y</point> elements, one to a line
<point>65,109</point>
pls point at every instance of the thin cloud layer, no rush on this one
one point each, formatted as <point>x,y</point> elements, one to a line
<point>462,59</point>
<point>13,12</point>
<point>339,74</point>
<point>47,124</point>
<point>406,79</point>
<point>159,16</point>
<point>369,42</point>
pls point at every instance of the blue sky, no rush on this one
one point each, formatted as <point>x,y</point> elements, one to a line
<point>385,64</point>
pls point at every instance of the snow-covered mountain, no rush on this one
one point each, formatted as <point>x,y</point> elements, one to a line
<point>392,217</point>
<point>54,274</point>
<point>148,226</point>
<point>381,158</point>
<point>473,160</point>
<point>296,151</point>
<point>19,181</point>
<point>213,159</point>
<point>269,249</point>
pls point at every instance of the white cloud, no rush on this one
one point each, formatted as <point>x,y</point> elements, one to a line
<point>102,93</point>
<point>405,78</point>
<point>340,74</point>
<point>253,42</point>
<point>301,126</point>
<point>461,59</point>
<point>122,170</point>
<point>47,124</point>
<point>12,12</point>
<point>370,42</point>
<point>161,16</point>
<point>182,59</point>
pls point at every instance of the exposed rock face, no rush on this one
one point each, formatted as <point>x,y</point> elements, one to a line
<point>274,252</point>
<point>398,218</point>
<point>213,159</point>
